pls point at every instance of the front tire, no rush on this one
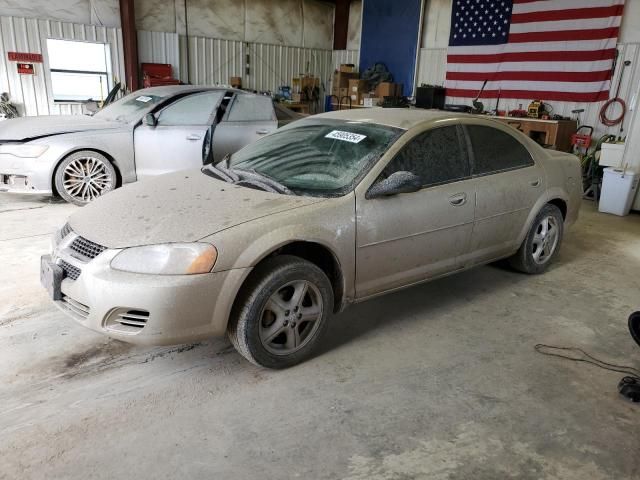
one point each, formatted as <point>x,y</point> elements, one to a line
<point>281,313</point>
<point>542,243</point>
<point>84,176</point>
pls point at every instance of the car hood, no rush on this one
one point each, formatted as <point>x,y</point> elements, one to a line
<point>178,207</point>
<point>29,128</point>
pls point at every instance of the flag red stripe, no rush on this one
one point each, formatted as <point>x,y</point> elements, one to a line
<point>568,14</point>
<point>532,76</point>
<point>551,95</point>
<point>564,35</point>
<point>557,56</point>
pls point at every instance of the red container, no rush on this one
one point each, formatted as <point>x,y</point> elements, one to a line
<point>157,74</point>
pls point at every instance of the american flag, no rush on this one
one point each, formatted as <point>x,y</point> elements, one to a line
<point>559,50</point>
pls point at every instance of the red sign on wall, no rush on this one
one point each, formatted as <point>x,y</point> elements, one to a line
<point>25,57</point>
<point>26,68</point>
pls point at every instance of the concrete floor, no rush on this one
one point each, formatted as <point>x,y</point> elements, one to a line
<point>440,381</point>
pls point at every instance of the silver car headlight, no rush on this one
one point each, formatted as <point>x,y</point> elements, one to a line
<point>167,259</point>
<point>23,150</point>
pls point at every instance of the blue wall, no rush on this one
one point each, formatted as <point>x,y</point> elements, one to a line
<point>390,31</point>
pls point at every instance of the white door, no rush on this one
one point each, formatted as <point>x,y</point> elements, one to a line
<point>177,142</point>
<point>249,118</point>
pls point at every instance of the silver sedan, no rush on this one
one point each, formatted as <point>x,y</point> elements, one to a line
<point>149,132</point>
<point>338,208</point>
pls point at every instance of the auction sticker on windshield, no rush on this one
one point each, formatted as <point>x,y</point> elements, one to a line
<point>345,136</point>
<point>144,98</point>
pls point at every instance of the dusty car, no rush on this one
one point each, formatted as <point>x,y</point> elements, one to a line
<point>149,132</point>
<point>337,208</point>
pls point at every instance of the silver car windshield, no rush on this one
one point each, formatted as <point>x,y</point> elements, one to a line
<point>130,108</point>
<point>317,157</point>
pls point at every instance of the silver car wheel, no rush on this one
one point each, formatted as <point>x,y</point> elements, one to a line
<point>545,240</point>
<point>291,317</point>
<point>86,178</point>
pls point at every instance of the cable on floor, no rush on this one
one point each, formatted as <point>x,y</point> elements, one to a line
<point>628,387</point>
<point>582,356</point>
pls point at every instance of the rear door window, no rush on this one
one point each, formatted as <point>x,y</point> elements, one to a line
<point>437,156</point>
<point>194,109</point>
<point>251,108</point>
<point>496,151</point>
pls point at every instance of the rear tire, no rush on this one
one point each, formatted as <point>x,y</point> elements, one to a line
<point>84,176</point>
<point>281,313</point>
<point>542,243</point>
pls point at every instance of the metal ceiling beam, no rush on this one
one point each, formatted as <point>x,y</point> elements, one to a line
<point>341,24</point>
<point>130,44</point>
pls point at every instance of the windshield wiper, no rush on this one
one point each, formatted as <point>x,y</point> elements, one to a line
<point>257,177</point>
<point>221,174</point>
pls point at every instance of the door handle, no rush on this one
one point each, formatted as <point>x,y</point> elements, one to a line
<point>535,183</point>
<point>264,131</point>
<point>194,136</point>
<point>458,199</point>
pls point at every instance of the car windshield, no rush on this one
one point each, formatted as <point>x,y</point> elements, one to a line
<point>130,108</point>
<point>316,157</point>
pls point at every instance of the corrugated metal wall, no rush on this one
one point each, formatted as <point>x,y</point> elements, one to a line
<point>159,47</point>
<point>432,70</point>
<point>32,93</point>
<point>214,61</point>
<point>345,56</point>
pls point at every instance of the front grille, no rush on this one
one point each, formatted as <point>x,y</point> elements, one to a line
<point>86,248</point>
<point>69,270</point>
<point>75,307</point>
<point>127,321</point>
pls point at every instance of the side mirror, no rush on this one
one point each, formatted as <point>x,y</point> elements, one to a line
<point>398,182</point>
<point>150,120</point>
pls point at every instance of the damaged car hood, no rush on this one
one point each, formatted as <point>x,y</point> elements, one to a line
<point>28,128</point>
<point>179,207</point>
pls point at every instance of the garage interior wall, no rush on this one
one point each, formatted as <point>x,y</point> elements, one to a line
<point>32,94</point>
<point>283,39</point>
<point>432,66</point>
<point>352,53</point>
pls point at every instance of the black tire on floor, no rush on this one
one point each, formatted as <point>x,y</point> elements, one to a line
<point>251,315</point>
<point>524,260</point>
<point>105,173</point>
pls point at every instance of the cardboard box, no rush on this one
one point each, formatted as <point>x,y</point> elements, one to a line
<point>386,89</point>
<point>341,80</point>
<point>235,82</point>
<point>344,92</point>
<point>296,97</point>
<point>347,68</point>
<point>309,82</point>
<point>358,86</point>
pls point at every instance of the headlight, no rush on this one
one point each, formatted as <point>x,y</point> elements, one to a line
<point>23,150</point>
<point>167,259</point>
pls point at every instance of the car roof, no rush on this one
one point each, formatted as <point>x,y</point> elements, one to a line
<point>169,90</point>
<point>404,118</point>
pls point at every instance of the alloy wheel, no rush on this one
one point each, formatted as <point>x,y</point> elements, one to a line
<point>86,178</point>
<point>290,317</point>
<point>545,240</point>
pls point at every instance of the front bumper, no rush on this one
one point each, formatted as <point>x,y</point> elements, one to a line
<point>27,175</point>
<point>157,309</point>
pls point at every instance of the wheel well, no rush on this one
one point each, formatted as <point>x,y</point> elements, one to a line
<point>320,256</point>
<point>109,157</point>
<point>561,204</point>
